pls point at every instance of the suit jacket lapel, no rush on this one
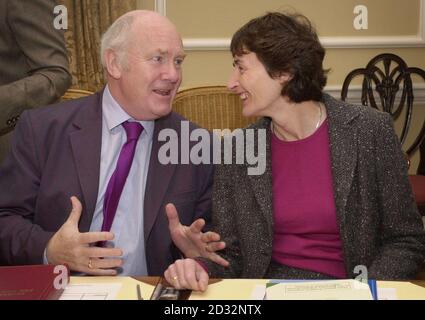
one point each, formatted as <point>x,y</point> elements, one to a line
<point>86,142</point>
<point>158,178</point>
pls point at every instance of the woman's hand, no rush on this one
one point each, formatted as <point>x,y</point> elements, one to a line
<point>187,274</point>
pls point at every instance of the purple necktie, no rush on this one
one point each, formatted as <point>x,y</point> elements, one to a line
<point>118,178</point>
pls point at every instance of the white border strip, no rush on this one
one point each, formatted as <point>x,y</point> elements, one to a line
<point>418,40</point>
<point>161,7</point>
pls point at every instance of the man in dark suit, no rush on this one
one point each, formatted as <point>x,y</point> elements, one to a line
<point>33,61</point>
<point>76,150</point>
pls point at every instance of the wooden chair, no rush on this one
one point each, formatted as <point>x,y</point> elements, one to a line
<point>387,79</point>
<point>75,94</point>
<point>212,107</point>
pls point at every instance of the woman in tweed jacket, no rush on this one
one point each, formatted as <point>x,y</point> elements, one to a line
<point>335,193</point>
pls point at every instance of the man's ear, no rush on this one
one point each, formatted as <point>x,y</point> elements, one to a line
<point>113,66</point>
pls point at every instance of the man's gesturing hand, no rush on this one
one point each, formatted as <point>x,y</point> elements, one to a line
<point>69,246</point>
<point>191,241</point>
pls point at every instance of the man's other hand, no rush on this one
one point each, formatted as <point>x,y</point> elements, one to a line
<point>70,246</point>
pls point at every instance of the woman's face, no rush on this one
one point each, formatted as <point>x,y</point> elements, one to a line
<point>258,91</point>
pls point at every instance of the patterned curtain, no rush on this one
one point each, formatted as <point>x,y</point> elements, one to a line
<point>87,20</point>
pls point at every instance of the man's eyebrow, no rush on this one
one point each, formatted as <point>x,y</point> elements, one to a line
<point>165,52</point>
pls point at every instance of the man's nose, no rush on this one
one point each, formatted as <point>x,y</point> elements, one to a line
<point>172,72</point>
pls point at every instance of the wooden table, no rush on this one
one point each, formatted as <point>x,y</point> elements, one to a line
<point>185,294</point>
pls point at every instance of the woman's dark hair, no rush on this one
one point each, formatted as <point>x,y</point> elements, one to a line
<point>285,44</point>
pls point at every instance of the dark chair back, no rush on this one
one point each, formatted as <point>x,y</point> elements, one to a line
<point>421,167</point>
<point>387,78</point>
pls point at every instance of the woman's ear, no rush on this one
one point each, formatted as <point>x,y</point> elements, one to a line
<point>285,77</point>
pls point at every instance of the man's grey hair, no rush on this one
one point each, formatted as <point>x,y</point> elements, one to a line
<point>116,38</point>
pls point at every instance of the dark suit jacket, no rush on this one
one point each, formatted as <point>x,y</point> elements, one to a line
<point>55,153</point>
<point>33,60</point>
<point>380,226</point>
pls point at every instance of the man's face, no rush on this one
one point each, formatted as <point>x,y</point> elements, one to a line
<point>152,74</point>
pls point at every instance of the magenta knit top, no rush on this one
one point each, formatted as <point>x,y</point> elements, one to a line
<point>306,231</point>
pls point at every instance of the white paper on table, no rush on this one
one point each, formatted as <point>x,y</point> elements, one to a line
<point>319,290</point>
<point>387,294</point>
<point>91,291</point>
<point>259,292</point>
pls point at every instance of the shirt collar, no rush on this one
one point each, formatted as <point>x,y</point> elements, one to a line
<point>114,115</point>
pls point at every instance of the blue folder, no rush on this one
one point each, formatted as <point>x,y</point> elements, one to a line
<point>373,289</point>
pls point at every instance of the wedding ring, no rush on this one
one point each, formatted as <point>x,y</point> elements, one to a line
<point>90,265</point>
<point>175,278</point>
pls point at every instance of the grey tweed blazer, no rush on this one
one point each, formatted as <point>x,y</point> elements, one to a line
<point>380,226</point>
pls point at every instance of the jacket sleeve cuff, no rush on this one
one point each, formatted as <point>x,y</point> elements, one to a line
<point>203,265</point>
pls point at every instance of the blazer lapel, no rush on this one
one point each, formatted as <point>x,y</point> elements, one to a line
<point>343,149</point>
<point>86,142</point>
<point>261,185</point>
<point>158,178</point>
